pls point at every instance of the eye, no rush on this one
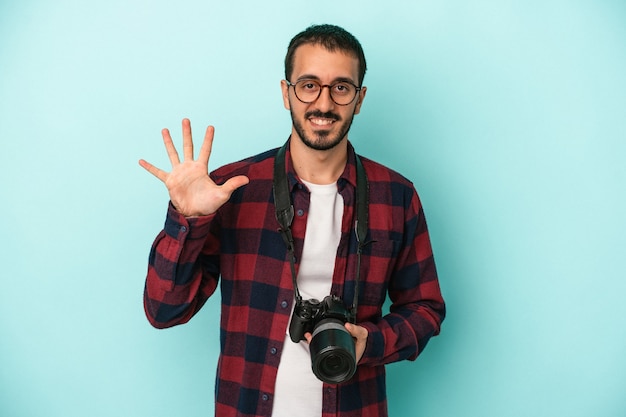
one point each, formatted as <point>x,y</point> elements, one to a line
<point>308,86</point>
<point>343,89</point>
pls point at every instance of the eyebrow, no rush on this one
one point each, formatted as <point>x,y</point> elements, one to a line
<point>316,78</point>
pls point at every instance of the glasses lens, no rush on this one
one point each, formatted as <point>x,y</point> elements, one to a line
<point>308,91</point>
<point>342,93</point>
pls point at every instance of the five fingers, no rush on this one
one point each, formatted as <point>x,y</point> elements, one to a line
<point>172,153</point>
<point>203,158</point>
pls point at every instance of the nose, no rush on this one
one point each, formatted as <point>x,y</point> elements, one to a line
<point>325,102</point>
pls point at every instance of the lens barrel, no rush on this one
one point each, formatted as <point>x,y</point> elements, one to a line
<point>333,356</point>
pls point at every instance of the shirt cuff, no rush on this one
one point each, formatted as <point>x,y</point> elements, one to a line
<point>177,225</point>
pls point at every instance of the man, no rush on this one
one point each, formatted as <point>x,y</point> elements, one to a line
<point>224,228</point>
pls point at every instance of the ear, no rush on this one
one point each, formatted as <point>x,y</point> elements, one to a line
<point>285,90</point>
<point>359,100</point>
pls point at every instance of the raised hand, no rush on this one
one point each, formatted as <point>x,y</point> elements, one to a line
<point>191,190</point>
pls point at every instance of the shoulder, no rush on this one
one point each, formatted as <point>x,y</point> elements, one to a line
<point>388,186</point>
<point>379,172</point>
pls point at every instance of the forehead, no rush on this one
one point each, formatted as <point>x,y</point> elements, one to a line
<point>317,61</point>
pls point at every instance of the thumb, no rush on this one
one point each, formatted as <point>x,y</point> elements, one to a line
<point>356,331</point>
<point>235,182</point>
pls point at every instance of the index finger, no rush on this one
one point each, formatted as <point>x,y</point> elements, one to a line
<point>170,148</point>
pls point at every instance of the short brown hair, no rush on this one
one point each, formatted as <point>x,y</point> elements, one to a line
<point>330,37</point>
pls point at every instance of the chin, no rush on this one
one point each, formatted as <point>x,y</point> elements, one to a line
<point>322,143</point>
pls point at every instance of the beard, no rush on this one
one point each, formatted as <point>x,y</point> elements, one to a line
<point>322,140</point>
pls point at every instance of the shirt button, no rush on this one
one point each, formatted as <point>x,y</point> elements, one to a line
<point>300,213</point>
<point>273,351</point>
<point>284,304</point>
<point>183,229</point>
<point>265,397</point>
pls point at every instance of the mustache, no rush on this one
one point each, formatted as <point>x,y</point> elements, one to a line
<point>321,115</point>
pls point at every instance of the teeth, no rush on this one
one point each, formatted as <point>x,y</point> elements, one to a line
<point>321,122</point>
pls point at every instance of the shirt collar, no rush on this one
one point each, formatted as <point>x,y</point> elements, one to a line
<point>348,176</point>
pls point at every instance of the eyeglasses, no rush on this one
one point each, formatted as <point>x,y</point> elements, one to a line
<point>341,92</point>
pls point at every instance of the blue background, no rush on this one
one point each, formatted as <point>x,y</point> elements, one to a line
<point>509,116</point>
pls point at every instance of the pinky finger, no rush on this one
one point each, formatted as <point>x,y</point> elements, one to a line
<point>159,173</point>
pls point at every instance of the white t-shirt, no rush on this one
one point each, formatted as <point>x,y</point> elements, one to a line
<point>298,391</point>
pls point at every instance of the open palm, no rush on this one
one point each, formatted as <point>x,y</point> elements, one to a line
<point>192,191</point>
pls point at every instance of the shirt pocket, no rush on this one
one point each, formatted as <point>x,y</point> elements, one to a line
<point>384,249</point>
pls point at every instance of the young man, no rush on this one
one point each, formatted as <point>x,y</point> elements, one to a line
<point>224,228</point>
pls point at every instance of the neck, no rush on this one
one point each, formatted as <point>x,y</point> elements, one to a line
<point>318,167</point>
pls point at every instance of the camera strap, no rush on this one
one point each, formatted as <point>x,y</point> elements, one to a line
<point>285,213</point>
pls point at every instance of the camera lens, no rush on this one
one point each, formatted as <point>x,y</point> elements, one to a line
<point>332,363</point>
<point>333,357</point>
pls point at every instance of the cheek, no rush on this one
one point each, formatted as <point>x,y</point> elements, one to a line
<point>349,114</point>
<point>297,109</point>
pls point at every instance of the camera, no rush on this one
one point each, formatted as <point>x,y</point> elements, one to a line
<point>333,355</point>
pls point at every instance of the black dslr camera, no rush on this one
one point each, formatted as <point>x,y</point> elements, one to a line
<point>333,355</point>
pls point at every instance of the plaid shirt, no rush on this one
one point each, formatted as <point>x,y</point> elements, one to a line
<point>241,245</point>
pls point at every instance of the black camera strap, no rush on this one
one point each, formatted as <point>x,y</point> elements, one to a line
<point>285,213</point>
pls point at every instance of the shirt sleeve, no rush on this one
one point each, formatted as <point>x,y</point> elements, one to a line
<point>183,269</point>
<point>417,306</point>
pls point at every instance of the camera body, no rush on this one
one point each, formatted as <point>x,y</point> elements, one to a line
<point>307,314</point>
<point>333,355</point>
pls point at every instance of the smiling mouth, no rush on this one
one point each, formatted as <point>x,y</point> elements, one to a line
<point>316,121</point>
<point>322,120</point>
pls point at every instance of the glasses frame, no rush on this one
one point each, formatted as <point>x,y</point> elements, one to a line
<point>356,93</point>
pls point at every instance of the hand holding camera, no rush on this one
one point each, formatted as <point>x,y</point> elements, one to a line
<point>332,346</point>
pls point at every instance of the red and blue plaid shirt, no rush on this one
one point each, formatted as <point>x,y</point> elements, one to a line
<point>241,248</point>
